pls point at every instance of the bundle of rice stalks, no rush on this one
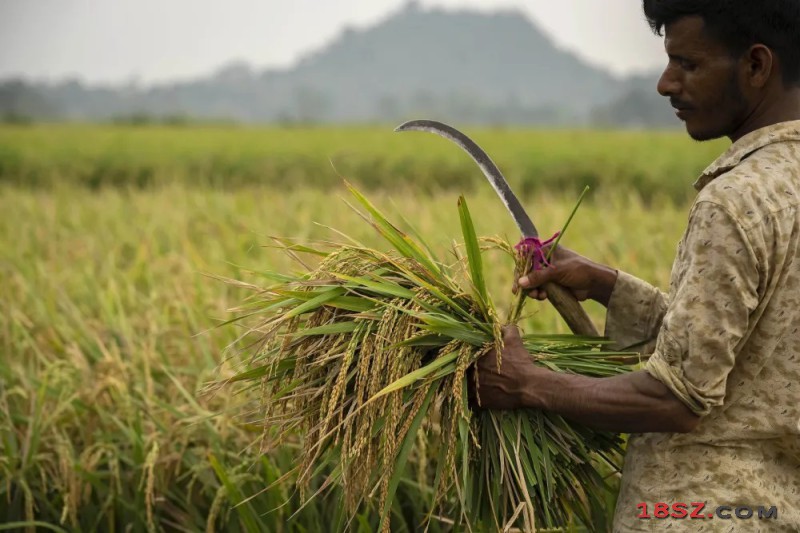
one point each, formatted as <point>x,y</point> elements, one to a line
<point>365,359</point>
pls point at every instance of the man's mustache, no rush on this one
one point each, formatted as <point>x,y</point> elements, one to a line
<point>677,104</point>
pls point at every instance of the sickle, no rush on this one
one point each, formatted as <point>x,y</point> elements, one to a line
<point>562,298</point>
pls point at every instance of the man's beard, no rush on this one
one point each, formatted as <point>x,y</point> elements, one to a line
<point>736,109</point>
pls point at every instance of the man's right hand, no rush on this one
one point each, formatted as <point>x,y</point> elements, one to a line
<point>585,278</point>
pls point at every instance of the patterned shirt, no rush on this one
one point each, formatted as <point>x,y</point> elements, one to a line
<point>726,341</point>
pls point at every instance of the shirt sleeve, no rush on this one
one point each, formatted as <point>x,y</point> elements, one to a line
<point>713,291</point>
<point>635,312</point>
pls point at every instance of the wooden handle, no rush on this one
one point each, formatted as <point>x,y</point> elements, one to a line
<point>570,310</point>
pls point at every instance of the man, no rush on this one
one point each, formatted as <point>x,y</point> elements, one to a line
<point>715,412</point>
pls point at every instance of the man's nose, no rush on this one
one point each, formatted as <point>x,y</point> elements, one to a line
<point>668,84</point>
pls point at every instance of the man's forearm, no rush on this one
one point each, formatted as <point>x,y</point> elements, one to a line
<point>630,403</point>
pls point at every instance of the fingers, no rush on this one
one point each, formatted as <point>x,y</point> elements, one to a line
<point>511,337</point>
<point>510,331</point>
<point>538,294</point>
<point>536,278</point>
<point>581,296</point>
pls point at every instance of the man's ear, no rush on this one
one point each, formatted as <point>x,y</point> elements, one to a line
<point>761,64</point>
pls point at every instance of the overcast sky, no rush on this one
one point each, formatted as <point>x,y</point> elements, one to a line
<point>158,40</point>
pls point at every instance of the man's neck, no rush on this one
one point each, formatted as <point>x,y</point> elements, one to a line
<point>771,111</point>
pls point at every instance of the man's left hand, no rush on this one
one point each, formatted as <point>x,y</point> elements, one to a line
<point>511,387</point>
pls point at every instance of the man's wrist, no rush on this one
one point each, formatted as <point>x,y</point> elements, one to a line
<point>605,278</point>
<point>533,387</point>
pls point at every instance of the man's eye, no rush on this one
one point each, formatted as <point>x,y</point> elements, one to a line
<point>688,65</point>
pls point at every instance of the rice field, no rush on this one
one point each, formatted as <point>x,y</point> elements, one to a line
<point>112,245</point>
<point>651,164</point>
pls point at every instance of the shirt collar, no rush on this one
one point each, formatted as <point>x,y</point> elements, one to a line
<point>752,142</point>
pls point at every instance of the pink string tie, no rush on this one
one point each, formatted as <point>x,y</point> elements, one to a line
<point>533,248</point>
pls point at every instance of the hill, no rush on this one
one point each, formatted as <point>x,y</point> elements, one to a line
<point>464,66</point>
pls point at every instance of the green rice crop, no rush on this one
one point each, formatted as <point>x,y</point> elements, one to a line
<point>357,354</point>
<point>108,307</point>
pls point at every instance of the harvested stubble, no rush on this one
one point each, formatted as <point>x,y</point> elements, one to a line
<point>365,360</point>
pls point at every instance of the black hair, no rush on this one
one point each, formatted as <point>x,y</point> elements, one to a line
<point>739,24</point>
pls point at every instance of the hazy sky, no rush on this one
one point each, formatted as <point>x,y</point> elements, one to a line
<point>157,40</point>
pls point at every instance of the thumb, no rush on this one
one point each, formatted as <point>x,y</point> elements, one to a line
<point>511,336</point>
<point>537,278</point>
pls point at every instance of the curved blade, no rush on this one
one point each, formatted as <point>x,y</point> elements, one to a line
<point>486,165</point>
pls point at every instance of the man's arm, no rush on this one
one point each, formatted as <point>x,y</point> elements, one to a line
<point>586,279</point>
<point>630,403</point>
<point>714,291</point>
<point>635,308</point>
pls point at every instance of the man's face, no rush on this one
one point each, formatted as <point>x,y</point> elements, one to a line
<point>702,81</point>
